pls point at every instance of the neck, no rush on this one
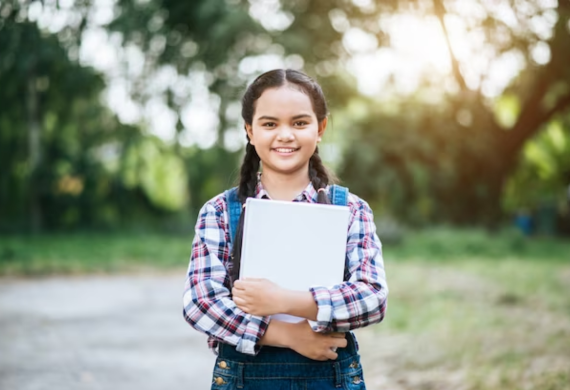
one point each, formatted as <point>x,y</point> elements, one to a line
<point>287,186</point>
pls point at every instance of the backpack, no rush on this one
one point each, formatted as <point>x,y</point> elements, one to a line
<point>337,194</point>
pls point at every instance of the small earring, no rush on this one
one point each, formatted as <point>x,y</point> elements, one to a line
<point>319,140</point>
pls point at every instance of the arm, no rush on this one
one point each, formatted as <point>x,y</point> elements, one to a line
<point>362,299</point>
<point>207,303</point>
<point>301,304</point>
<point>301,338</point>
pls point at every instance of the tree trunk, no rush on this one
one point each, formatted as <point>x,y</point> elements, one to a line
<point>34,153</point>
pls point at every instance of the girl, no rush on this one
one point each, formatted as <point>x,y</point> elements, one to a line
<point>285,116</point>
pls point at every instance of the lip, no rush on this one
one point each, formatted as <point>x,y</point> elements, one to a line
<point>284,151</point>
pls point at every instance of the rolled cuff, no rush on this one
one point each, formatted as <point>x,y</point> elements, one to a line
<point>248,344</point>
<point>322,297</point>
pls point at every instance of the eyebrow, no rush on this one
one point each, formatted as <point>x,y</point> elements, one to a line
<point>266,117</point>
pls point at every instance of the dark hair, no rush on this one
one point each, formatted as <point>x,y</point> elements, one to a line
<point>318,174</point>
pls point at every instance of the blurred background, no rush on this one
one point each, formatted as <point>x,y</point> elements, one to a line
<point>119,119</point>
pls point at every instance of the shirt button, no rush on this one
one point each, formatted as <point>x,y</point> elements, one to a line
<point>219,380</point>
<point>223,364</point>
<point>356,380</point>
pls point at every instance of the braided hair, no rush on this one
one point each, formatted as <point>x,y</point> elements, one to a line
<point>318,174</point>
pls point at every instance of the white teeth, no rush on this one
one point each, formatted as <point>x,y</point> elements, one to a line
<point>283,150</point>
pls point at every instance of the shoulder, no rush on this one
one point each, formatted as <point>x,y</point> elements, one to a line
<point>356,203</point>
<point>359,209</point>
<point>212,218</point>
<point>215,206</point>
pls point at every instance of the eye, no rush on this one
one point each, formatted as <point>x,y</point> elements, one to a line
<point>300,123</point>
<point>269,124</point>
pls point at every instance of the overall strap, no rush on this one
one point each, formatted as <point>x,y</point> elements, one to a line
<point>339,195</point>
<point>234,210</point>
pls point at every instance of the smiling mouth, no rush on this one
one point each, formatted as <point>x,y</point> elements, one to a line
<point>285,150</point>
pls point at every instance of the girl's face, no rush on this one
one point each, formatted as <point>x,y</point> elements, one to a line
<point>285,130</point>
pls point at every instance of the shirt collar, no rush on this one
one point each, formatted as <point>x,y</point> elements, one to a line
<point>309,194</point>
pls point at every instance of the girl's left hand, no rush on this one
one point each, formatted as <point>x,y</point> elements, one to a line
<point>259,297</point>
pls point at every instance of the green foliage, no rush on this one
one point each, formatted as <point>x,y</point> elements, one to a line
<point>76,180</point>
<point>210,172</point>
<point>422,166</point>
<point>507,110</point>
<point>543,173</point>
<point>148,165</point>
<point>41,87</point>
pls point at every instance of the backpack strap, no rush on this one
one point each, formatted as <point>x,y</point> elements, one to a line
<point>234,210</point>
<point>339,195</point>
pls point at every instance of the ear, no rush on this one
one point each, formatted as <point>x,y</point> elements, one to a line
<point>249,131</point>
<point>323,126</point>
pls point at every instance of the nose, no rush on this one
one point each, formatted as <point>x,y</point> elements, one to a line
<point>285,134</point>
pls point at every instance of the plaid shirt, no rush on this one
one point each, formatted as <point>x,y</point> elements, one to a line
<point>360,301</point>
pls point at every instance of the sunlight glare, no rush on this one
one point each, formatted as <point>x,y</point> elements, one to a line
<point>270,15</point>
<point>200,115</point>
<point>356,40</point>
<point>161,119</point>
<point>417,48</point>
<point>420,40</point>
<point>501,72</point>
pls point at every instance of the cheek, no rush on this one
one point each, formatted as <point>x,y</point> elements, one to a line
<point>311,137</point>
<point>263,137</point>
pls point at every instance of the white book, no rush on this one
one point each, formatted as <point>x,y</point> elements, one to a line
<point>295,245</point>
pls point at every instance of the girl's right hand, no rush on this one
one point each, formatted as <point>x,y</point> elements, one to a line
<point>316,346</point>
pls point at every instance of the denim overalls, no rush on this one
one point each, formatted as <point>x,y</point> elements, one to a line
<point>276,368</point>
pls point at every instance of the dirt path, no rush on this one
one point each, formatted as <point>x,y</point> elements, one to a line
<point>103,333</point>
<point>123,332</point>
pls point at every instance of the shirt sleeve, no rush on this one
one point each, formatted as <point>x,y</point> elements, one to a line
<point>362,299</point>
<point>208,306</point>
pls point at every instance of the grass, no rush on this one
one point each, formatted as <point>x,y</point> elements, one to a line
<point>448,244</point>
<point>473,311</point>
<point>52,254</point>
<point>467,309</point>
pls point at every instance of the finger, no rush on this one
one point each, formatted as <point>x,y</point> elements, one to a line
<point>243,294</point>
<point>239,284</point>
<point>239,300</point>
<point>321,358</point>
<point>340,343</point>
<point>331,355</point>
<point>244,308</point>
<point>243,305</point>
<point>238,294</point>
<point>338,335</point>
<point>244,284</point>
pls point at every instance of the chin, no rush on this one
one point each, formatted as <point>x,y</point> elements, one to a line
<point>285,169</point>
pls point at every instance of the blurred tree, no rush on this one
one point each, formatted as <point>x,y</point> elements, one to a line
<point>442,155</point>
<point>38,85</point>
<point>62,150</point>
<point>449,160</point>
